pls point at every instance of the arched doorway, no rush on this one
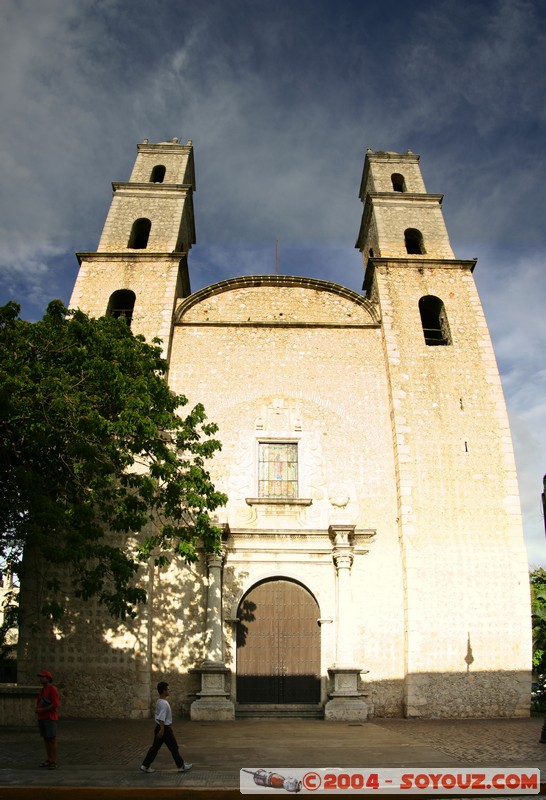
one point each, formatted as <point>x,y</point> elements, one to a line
<point>278,645</point>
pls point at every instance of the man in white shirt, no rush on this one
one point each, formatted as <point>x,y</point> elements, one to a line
<point>163,733</point>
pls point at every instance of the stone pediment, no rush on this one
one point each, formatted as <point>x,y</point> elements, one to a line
<point>277,300</point>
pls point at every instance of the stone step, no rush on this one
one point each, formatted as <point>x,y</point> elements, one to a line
<point>279,711</point>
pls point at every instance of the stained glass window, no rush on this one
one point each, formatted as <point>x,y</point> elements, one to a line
<point>278,470</point>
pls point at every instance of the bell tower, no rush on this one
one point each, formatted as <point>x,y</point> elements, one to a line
<point>140,267</point>
<point>458,514</point>
<point>400,218</point>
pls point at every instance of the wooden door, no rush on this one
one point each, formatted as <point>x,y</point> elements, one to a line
<point>278,645</point>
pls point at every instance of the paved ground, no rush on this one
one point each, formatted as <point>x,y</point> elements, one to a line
<point>97,754</point>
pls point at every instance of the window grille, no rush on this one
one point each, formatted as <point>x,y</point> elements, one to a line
<point>434,321</point>
<point>121,305</point>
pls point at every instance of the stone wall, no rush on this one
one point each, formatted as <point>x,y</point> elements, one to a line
<point>101,275</point>
<point>327,392</point>
<point>385,164</point>
<point>459,518</point>
<point>393,217</point>
<point>17,705</point>
<point>177,160</point>
<point>163,207</point>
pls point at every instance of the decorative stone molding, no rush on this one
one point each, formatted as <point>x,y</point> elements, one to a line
<point>343,560</point>
<point>342,536</point>
<point>371,310</point>
<point>278,501</point>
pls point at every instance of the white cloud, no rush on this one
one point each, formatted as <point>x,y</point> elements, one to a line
<point>27,270</point>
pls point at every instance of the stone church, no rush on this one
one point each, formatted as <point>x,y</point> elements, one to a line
<point>373,561</point>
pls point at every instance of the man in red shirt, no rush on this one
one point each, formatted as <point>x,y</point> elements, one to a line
<point>47,708</point>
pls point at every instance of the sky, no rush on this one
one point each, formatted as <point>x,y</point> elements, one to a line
<point>281,100</point>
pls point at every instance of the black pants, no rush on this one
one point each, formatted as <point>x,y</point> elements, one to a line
<point>169,739</point>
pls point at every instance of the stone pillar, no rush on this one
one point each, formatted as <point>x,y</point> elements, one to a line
<point>214,645</point>
<point>346,700</point>
<point>343,556</point>
<point>213,701</point>
<point>142,657</point>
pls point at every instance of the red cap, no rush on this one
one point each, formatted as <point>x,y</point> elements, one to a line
<point>45,674</point>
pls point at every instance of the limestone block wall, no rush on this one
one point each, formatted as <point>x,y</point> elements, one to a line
<point>177,160</point>
<point>162,206</point>
<point>100,665</point>
<point>298,364</point>
<point>285,302</point>
<point>109,668</point>
<point>393,218</point>
<point>458,515</point>
<point>325,384</point>
<point>18,705</point>
<point>156,281</point>
<point>177,634</point>
<point>385,164</point>
<point>371,246</point>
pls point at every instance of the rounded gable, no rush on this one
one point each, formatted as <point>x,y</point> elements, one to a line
<point>276,300</point>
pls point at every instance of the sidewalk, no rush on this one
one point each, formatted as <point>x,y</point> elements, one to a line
<point>100,758</point>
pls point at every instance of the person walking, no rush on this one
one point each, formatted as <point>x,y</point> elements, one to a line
<point>163,733</point>
<point>47,709</point>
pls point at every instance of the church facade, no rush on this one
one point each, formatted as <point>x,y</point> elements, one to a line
<point>373,561</point>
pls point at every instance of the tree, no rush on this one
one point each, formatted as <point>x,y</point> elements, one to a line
<point>93,452</point>
<point>538,609</point>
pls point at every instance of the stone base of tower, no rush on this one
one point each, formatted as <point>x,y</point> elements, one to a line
<point>347,703</point>
<point>212,701</point>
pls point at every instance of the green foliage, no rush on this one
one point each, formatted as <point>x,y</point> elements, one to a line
<point>538,609</point>
<point>91,442</point>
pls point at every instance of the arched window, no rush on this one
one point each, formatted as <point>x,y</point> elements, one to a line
<point>398,182</point>
<point>121,304</point>
<point>434,321</point>
<point>414,241</point>
<point>140,232</point>
<point>158,174</point>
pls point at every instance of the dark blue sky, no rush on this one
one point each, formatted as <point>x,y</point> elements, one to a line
<point>281,101</point>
